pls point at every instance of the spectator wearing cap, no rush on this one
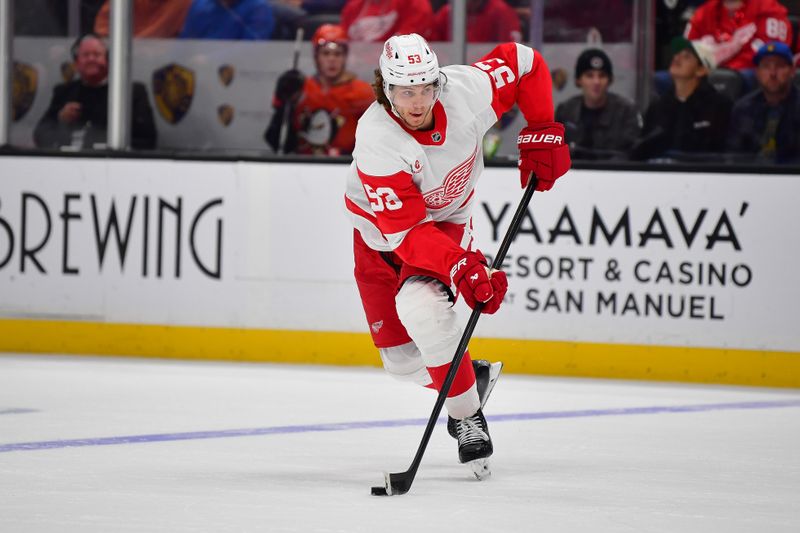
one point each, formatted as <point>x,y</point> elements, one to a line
<point>692,116</point>
<point>766,123</point>
<point>599,124</point>
<point>317,115</point>
<point>250,20</point>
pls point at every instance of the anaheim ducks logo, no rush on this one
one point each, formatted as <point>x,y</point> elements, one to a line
<point>173,87</point>
<point>67,71</point>
<point>453,185</point>
<point>225,114</point>
<point>24,83</point>
<point>559,76</point>
<point>319,128</point>
<point>226,73</point>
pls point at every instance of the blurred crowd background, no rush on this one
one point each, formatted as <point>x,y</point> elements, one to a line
<point>660,81</point>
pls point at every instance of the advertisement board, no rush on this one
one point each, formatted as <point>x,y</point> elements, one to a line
<point>664,260</point>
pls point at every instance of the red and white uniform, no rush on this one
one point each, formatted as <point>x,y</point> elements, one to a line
<point>401,182</point>
<point>377,20</point>
<point>410,196</point>
<point>740,34</point>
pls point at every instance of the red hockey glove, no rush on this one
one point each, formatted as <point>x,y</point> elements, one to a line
<point>542,151</point>
<point>477,283</point>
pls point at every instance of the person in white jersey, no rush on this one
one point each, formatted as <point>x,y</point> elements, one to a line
<point>417,157</point>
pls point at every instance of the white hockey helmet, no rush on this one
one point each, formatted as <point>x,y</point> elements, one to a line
<point>408,60</point>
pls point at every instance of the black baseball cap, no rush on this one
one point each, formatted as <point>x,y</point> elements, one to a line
<point>593,59</point>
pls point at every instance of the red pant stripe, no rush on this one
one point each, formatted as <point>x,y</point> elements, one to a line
<point>465,376</point>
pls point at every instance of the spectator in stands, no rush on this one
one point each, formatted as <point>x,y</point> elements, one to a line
<point>229,19</point>
<point>78,112</point>
<point>316,7</point>
<point>151,18</point>
<point>318,115</point>
<point>607,21</point>
<point>377,20</point>
<point>737,28</point>
<point>672,16</point>
<point>692,116</point>
<point>289,15</point>
<point>44,18</point>
<point>767,121</point>
<point>488,21</point>
<point>599,124</point>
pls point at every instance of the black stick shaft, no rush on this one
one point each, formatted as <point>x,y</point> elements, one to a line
<point>470,327</point>
<point>288,109</point>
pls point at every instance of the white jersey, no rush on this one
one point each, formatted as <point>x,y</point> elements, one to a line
<point>400,179</point>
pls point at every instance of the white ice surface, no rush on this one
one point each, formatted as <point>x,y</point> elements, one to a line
<point>729,469</point>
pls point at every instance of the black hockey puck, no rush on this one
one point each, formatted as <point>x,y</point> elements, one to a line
<point>379,491</point>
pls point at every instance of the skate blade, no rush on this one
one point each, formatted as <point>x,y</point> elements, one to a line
<point>494,373</point>
<point>481,468</point>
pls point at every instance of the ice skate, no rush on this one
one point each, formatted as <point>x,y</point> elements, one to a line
<point>474,443</point>
<point>486,375</point>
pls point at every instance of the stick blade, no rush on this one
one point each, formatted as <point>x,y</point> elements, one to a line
<point>394,484</point>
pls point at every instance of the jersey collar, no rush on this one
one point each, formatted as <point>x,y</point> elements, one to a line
<point>432,137</point>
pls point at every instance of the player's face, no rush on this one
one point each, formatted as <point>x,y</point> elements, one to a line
<point>594,84</point>
<point>774,75</point>
<point>414,104</point>
<point>330,61</point>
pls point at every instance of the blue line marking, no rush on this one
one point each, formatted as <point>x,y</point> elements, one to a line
<point>345,426</point>
<point>17,411</point>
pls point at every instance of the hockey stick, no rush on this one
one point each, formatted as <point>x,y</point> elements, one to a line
<point>399,483</point>
<point>288,108</point>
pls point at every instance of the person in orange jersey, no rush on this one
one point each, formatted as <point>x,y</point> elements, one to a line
<point>322,109</point>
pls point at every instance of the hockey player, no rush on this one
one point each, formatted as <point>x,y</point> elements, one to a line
<point>410,188</point>
<point>326,107</point>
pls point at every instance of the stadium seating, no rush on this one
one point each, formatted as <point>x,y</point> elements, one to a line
<point>310,23</point>
<point>728,82</point>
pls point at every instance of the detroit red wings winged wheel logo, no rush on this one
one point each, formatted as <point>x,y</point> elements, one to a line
<point>453,185</point>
